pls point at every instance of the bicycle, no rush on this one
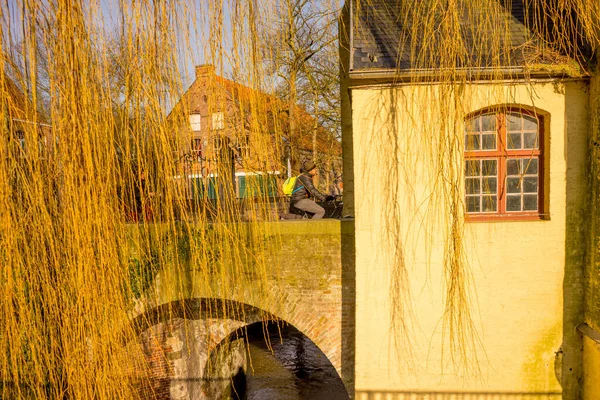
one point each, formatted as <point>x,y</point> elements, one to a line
<point>333,206</point>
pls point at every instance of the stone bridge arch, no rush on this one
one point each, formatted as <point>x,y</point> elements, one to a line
<point>179,337</point>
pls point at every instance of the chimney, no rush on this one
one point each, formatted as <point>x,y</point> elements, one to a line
<point>205,70</point>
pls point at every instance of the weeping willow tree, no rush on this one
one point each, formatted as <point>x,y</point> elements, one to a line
<point>90,133</point>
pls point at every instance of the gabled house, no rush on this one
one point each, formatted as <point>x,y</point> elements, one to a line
<point>465,165</point>
<point>227,132</point>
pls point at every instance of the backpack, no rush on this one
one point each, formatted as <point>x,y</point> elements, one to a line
<point>289,186</point>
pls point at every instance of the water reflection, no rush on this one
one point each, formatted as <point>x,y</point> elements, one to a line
<point>295,369</point>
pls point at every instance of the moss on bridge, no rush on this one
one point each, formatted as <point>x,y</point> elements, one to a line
<point>224,260</point>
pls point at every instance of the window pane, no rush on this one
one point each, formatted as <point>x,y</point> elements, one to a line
<point>530,202</point>
<point>513,185</point>
<point>530,140</point>
<point>488,203</point>
<point>489,185</point>
<point>512,166</point>
<point>489,168</point>
<point>522,178</point>
<point>489,142</point>
<point>513,203</point>
<point>530,166</point>
<point>473,142</point>
<point>530,184</point>
<point>473,204</point>
<point>471,125</point>
<point>529,123</point>
<point>197,144</point>
<point>218,121</point>
<point>473,168</point>
<point>513,123</point>
<point>514,141</point>
<point>473,185</point>
<point>488,123</point>
<point>195,122</point>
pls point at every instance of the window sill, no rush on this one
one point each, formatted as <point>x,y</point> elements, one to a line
<point>506,217</point>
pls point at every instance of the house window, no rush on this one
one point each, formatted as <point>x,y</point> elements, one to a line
<point>217,121</point>
<point>196,148</point>
<point>503,165</point>
<point>20,135</point>
<point>195,122</point>
<point>243,147</point>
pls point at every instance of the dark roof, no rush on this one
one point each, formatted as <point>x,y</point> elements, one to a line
<point>386,35</point>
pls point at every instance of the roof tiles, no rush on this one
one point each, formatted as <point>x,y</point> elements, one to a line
<point>387,35</point>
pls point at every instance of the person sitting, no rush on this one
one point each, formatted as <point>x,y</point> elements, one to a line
<point>305,192</point>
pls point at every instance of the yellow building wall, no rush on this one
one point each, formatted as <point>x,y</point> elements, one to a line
<point>519,307</point>
<point>591,373</point>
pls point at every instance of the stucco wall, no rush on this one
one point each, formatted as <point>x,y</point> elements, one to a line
<point>591,371</point>
<point>520,310</point>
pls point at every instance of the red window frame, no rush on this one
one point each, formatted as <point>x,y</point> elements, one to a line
<point>502,154</point>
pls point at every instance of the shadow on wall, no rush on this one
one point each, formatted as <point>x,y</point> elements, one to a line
<point>577,218</point>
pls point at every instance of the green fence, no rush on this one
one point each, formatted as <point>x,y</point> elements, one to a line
<point>203,188</point>
<point>257,185</point>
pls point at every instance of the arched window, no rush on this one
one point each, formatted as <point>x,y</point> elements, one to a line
<point>504,164</point>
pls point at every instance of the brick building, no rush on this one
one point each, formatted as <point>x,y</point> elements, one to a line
<point>226,132</point>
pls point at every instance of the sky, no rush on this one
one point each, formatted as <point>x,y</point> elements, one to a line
<point>198,27</point>
<point>190,53</point>
<point>109,17</point>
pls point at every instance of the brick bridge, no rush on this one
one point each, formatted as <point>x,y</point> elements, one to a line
<point>188,313</point>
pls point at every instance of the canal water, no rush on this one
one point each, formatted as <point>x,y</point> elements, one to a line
<point>295,369</point>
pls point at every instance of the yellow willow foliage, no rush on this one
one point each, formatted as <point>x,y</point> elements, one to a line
<point>96,200</point>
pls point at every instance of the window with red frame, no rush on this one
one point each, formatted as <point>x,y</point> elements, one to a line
<point>503,164</point>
